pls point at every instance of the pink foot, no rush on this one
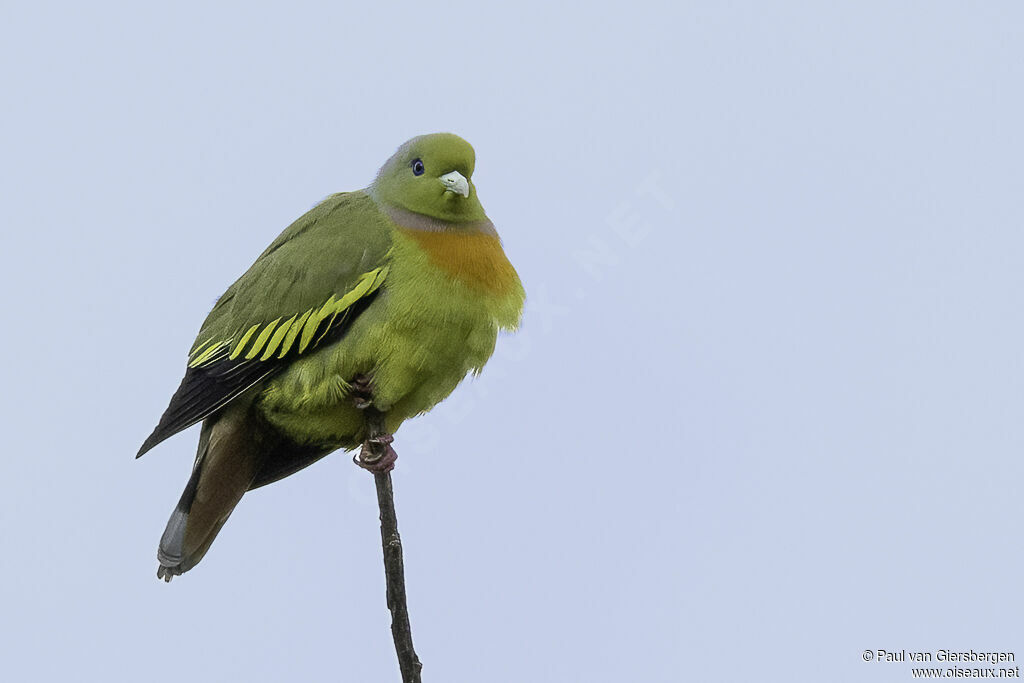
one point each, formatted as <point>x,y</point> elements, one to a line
<point>362,392</point>
<point>382,463</point>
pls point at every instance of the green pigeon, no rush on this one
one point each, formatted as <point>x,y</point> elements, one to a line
<point>389,295</point>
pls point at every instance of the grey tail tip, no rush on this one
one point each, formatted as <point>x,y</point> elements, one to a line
<point>168,573</point>
<point>169,553</point>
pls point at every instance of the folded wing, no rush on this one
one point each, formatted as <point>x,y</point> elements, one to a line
<point>301,294</point>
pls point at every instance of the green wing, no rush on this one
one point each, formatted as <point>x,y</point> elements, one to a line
<point>301,294</point>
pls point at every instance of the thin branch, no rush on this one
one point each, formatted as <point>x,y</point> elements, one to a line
<point>394,566</point>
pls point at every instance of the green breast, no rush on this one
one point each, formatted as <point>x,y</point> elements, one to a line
<point>421,336</point>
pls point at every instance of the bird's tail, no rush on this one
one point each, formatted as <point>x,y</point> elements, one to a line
<point>232,448</point>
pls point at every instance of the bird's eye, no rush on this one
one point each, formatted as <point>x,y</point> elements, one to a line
<point>417,167</point>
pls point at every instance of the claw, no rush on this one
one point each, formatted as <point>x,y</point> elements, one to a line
<point>382,463</point>
<point>376,455</point>
<point>362,392</point>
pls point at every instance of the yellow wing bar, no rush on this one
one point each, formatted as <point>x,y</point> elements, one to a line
<point>268,338</point>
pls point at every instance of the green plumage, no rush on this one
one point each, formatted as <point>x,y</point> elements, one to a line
<point>404,282</point>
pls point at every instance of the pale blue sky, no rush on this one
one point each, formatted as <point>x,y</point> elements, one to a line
<point>764,412</point>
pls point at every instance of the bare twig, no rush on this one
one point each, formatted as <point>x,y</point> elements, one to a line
<point>394,567</point>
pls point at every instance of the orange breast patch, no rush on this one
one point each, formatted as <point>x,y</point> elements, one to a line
<point>476,259</point>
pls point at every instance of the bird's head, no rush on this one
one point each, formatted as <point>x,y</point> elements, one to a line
<point>431,175</point>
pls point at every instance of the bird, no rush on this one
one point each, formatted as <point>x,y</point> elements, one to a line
<point>387,296</point>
